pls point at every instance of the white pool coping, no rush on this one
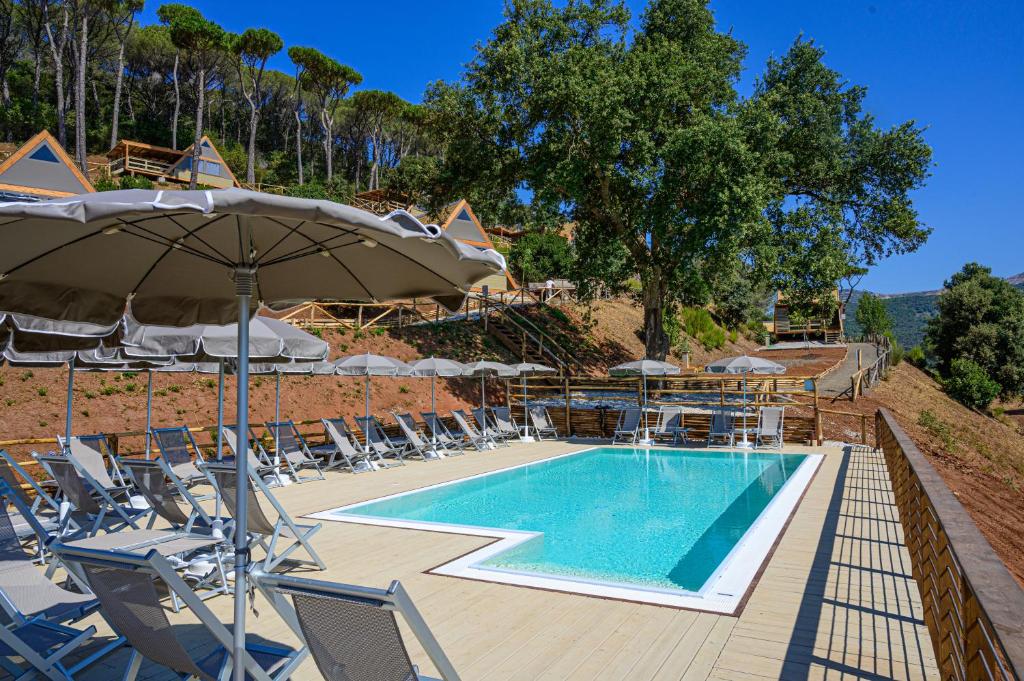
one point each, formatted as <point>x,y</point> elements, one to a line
<point>723,592</point>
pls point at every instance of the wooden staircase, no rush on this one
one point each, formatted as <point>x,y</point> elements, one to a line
<point>526,340</point>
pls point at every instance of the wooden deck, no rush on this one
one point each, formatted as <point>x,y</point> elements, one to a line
<point>835,601</point>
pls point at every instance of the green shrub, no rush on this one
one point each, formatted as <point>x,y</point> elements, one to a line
<point>713,339</point>
<point>89,395</point>
<point>937,428</point>
<point>402,389</point>
<point>209,383</point>
<point>85,413</point>
<point>897,352</point>
<point>969,384</point>
<point>109,390</point>
<point>27,375</point>
<point>9,402</point>
<point>697,321</point>
<point>916,356</point>
<point>316,331</point>
<point>130,387</point>
<point>162,392</point>
<point>42,392</point>
<point>174,388</point>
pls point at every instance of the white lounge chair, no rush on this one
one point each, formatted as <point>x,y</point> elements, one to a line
<point>418,442</point>
<point>504,421</point>
<point>259,464</point>
<point>95,505</point>
<point>378,442</point>
<point>441,435</point>
<point>671,423</point>
<point>769,430</point>
<point>628,427</point>
<point>179,449</point>
<point>468,433</point>
<point>488,426</point>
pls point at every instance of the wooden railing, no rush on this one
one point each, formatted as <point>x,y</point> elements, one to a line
<point>973,608</point>
<point>871,375</point>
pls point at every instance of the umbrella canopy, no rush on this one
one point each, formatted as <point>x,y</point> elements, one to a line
<point>210,257</point>
<point>371,365</point>
<point>644,367</point>
<point>36,334</point>
<point>269,339</point>
<point>744,364</point>
<point>434,367</point>
<point>483,369</point>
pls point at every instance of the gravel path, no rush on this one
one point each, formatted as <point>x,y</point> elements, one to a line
<point>838,380</point>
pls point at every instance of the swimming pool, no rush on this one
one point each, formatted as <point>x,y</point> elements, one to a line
<point>686,528</point>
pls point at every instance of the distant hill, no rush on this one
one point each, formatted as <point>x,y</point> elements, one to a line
<point>909,312</point>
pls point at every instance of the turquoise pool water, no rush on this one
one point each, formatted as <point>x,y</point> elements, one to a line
<point>654,518</point>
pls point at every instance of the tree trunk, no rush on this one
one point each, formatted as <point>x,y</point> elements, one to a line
<point>254,119</point>
<point>197,148</point>
<point>177,104</point>
<point>328,144</point>
<point>37,75</point>
<point>80,130</point>
<point>298,143</point>
<point>655,339</point>
<point>57,52</point>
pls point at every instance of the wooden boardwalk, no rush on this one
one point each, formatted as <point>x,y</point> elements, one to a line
<point>835,601</point>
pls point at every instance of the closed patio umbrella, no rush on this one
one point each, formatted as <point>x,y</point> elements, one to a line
<point>525,369</point>
<point>645,368</point>
<point>178,258</point>
<point>744,364</point>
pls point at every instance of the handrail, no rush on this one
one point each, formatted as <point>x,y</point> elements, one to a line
<point>972,605</point>
<point>562,357</point>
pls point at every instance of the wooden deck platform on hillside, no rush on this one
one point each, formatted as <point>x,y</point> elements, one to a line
<point>835,600</point>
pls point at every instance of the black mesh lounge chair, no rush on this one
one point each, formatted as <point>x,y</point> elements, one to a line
<point>269,535</point>
<point>377,441</point>
<point>469,432</point>
<point>37,609</point>
<point>488,428</point>
<point>177,447</point>
<point>352,631</point>
<point>418,443</point>
<point>95,506</point>
<point>542,423</point>
<point>345,453</point>
<point>440,434</point>
<point>721,431</point>
<point>671,423</point>
<point>293,451</point>
<point>125,585</point>
<point>628,427</point>
<point>504,421</point>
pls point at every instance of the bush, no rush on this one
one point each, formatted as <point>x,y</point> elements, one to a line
<point>970,385</point>
<point>917,357</point>
<point>896,349</point>
<point>699,325</point>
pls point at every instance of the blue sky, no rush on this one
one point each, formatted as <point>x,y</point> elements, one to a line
<point>955,67</point>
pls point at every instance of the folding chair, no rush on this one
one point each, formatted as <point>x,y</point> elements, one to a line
<point>770,426</point>
<point>43,508</point>
<point>470,434</point>
<point>352,631</point>
<point>88,453</point>
<point>488,428</point>
<point>504,421</point>
<point>176,446</point>
<point>417,442</point>
<point>344,451</point>
<point>270,533</point>
<point>377,441</point>
<point>721,431</point>
<point>628,426</point>
<point>125,585</point>
<point>92,506</point>
<point>293,450</point>
<point>671,423</point>
<point>259,464</point>
<point>542,423</point>
<point>440,434</point>
<point>150,478</point>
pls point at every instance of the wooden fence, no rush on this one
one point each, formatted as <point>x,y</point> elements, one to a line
<point>973,608</point>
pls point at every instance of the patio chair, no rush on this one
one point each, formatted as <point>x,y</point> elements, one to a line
<point>88,453</point>
<point>628,426</point>
<point>721,431</point>
<point>44,509</point>
<point>150,478</point>
<point>352,631</point>
<point>377,442</point>
<point>94,508</point>
<point>259,464</point>
<point>769,426</point>
<point>671,422</point>
<point>293,450</point>
<point>488,428</point>
<point>417,441</point>
<point>542,424</point>
<point>440,434</point>
<point>468,433</point>
<point>176,446</point>
<point>504,421</point>
<point>345,453</point>
<point>269,534</point>
<point>125,585</point>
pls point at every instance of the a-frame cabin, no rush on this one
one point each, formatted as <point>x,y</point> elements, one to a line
<point>41,169</point>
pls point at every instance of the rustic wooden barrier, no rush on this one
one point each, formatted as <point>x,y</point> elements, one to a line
<point>972,606</point>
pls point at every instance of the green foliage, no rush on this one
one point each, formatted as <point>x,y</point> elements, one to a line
<point>26,375</point>
<point>89,395</point>
<point>872,316</point>
<point>938,429</point>
<point>969,384</point>
<point>895,348</point>
<point>130,387</point>
<point>539,256</point>
<point>980,318</point>
<point>108,390</point>
<point>700,326</point>
<point>338,190</point>
<point>403,389</point>
<point>174,388</point>
<point>42,392</point>
<point>917,357</point>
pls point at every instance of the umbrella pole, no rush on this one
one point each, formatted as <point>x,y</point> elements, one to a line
<point>433,404</point>
<point>243,289</point>
<point>220,418</point>
<point>67,417</point>
<point>483,396</point>
<point>366,396</point>
<point>526,414</point>
<point>277,420</point>
<point>149,411</point>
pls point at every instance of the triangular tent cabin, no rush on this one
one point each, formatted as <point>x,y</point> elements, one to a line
<point>164,165</point>
<point>41,169</point>
<point>459,221</point>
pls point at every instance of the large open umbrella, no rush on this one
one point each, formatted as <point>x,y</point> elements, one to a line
<point>434,367</point>
<point>645,368</point>
<point>525,369</point>
<point>744,364</point>
<point>205,257</point>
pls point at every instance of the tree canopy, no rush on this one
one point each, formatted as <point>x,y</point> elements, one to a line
<point>873,316</point>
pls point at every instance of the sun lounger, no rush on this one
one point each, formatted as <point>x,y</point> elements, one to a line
<point>542,424</point>
<point>178,448</point>
<point>293,450</point>
<point>418,443</point>
<point>259,464</point>
<point>769,430</point>
<point>628,426</point>
<point>377,442</point>
<point>345,453</point>
<point>89,453</point>
<point>721,431</point>
<point>504,422</point>
<point>150,479</point>
<point>488,428</point>
<point>440,434</point>
<point>468,433</point>
<point>352,631</point>
<point>95,506</point>
<point>125,585</point>
<point>43,508</point>
<point>269,534</point>
<point>671,424</point>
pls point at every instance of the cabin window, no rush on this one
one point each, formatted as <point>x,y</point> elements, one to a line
<point>209,168</point>
<point>44,153</point>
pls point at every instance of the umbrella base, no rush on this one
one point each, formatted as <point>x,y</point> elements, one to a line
<point>277,480</point>
<point>527,438</point>
<point>744,444</point>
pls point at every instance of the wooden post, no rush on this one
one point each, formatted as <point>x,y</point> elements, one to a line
<point>860,359</point>
<point>853,387</point>
<point>400,317</point>
<point>817,414</point>
<point>568,407</point>
<point>359,317</point>
<point>721,392</point>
